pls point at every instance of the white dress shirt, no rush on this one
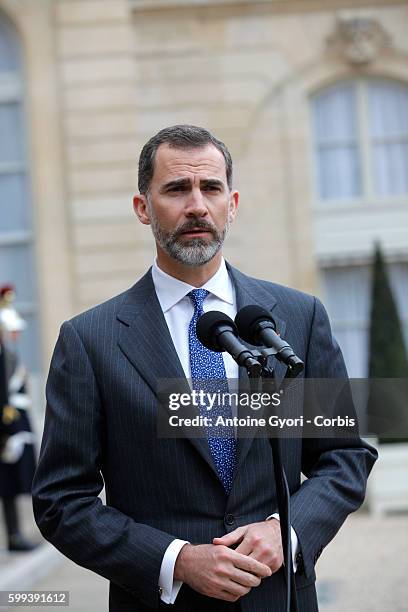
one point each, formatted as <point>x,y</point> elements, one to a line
<point>178,310</point>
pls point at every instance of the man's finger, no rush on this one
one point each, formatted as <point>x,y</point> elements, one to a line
<point>231,538</point>
<point>250,564</point>
<point>233,593</point>
<point>245,547</point>
<point>246,579</point>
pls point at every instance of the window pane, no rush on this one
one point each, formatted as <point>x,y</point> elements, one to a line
<point>16,268</point>
<point>9,46</point>
<point>335,115</point>
<point>11,137</point>
<point>16,261</point>
<point>390,162</point>
<point>14,212</point>
<point>347,292</point>
<point>388,110</point>
<point>353,344</point>
<point>347,298</point>
<point>336,149</point>
<point>339,175</point>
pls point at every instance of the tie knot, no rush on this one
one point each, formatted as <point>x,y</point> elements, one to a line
<point>197,296</point>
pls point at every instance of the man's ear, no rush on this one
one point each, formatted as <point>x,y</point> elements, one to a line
<point>233,204</point>
<point>141,208</point>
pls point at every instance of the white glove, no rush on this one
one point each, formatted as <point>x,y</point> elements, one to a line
<point>14,446</point>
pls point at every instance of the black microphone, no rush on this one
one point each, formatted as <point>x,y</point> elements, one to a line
<point>218,332</point>
<point>256,326</point>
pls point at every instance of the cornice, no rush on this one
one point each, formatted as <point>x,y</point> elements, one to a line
<point>281,5</point>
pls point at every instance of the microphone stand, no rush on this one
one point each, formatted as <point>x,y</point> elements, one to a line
<point>282,488</point>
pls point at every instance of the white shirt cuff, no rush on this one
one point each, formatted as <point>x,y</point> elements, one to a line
<point>168,586</point>
<point>293,538</point>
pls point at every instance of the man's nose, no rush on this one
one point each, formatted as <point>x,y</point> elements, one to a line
<point>195,204</point>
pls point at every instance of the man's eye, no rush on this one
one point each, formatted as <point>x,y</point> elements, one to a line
<point>211,188</point>
<point>177,188</point>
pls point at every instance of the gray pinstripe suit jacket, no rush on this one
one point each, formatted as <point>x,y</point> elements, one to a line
<point>100,429</point>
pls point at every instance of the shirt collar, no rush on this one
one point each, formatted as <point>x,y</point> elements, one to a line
<point>171,290</point>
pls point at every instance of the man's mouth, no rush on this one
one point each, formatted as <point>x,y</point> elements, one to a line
<point>196,231</point>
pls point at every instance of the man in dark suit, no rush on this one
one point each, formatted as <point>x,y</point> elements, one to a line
<point>187,521</point>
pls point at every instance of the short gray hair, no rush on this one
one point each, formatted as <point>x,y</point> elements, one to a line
<point>178,137</point>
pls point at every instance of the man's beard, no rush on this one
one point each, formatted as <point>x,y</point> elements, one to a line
<point>194,251</point>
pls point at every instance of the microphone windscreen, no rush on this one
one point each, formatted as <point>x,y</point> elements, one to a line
<point>246,321</point>
<point>207,326</point>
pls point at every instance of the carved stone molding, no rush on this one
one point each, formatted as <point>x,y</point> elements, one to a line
<point>151,5</point>
<point>358,40</point>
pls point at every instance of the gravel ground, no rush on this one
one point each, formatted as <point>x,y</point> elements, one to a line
<point>365,567</point>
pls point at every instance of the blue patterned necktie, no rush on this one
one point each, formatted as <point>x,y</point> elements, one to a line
<point>208,373</point>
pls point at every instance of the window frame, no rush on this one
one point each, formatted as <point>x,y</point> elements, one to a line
<point>364,141</point>
<point>12,90</point>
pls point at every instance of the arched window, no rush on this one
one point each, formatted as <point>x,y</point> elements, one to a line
<point>361,140</point>
<point>16,224</point>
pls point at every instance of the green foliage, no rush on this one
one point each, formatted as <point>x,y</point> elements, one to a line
<point>387,353</point>
<point>387,349</point>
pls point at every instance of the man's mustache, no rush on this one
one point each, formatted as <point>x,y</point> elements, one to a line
<point>192,225</point>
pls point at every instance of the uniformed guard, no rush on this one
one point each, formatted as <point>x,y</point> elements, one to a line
<point>17,458</point>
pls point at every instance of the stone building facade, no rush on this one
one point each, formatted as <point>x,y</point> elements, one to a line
<point>96,78</point>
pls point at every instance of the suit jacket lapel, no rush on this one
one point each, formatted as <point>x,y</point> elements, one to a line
<point>146,342</point>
